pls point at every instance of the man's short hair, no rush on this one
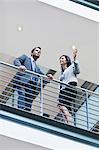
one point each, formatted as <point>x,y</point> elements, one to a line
<point>35,48</point>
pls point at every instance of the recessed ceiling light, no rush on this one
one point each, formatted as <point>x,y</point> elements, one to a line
<point>20,28</point>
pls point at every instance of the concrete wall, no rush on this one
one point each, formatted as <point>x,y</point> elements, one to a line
<point>54,30</point>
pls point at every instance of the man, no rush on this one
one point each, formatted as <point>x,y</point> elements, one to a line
<point>27,83</point>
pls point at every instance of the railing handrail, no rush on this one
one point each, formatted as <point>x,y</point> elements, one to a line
<point>45,76</point>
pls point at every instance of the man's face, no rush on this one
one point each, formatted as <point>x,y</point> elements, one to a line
<point>36,53</point>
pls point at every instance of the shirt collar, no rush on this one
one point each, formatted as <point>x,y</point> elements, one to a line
<point>32,59</point>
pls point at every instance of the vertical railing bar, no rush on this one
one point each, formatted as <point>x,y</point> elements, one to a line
<point>41,96</point>
<point>74,113</point>
<point>87,116</point>
<point>13,99</point>
<point>74,118</point>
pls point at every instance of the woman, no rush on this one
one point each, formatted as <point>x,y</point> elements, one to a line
<point>68,92</point>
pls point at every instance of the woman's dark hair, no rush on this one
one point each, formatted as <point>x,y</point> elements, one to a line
<point>35,48</point>
<point>67,59</point>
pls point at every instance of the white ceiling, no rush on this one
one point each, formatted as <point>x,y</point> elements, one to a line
<point>74,8</point>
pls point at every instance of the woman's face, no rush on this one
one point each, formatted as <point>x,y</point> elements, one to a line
<point>62,60</point>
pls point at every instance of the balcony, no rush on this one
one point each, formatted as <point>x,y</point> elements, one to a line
<point>44,111</point>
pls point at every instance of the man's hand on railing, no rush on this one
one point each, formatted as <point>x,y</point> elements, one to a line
<point>22,68</point>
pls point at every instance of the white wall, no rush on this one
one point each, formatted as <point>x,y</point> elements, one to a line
<point>54,30</point>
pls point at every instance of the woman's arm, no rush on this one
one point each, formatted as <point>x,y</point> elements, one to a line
<point>76,65</point>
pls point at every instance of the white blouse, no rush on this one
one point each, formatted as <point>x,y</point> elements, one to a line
<point>68,75</point>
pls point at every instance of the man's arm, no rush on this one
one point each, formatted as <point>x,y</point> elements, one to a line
<point>19,62</point>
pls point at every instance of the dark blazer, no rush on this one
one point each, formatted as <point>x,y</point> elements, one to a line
<point>23,76</point>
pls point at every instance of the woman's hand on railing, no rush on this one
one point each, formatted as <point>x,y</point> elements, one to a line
<point>50,76</point>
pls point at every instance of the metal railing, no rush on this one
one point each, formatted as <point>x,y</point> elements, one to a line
<point>94,4</point>
<point>41,97</point>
